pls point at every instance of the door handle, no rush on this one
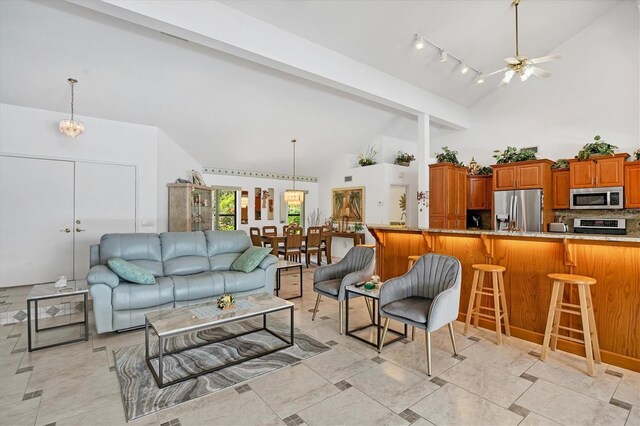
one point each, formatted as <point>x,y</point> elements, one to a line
<point>80,230</point>
<point>66,230</point>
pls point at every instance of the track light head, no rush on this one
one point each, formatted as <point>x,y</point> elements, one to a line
<point>479,79</point>
<point>443,56</point>
<point>418,42</point>
<point>463,68</point>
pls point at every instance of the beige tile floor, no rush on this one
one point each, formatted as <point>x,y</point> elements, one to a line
<point>352,384</point>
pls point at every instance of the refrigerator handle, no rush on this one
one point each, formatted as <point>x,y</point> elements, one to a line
<point>514,210</point>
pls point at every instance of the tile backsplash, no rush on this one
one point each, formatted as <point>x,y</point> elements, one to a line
<point>632,216</point>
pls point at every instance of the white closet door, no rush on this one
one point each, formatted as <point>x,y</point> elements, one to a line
<point>36,206</point>
<point>105,204</point>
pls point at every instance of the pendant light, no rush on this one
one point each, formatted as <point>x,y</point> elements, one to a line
<point>70,127</point>
<point>293,197</point>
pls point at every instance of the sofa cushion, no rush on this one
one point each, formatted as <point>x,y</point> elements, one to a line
<point>224,247</point>
<point>236,282</point>
<point>250,259</point>
<point>184,253</point>
<point>413,308</point>
<point>134,296</point>
<point>130,272</point>
<point>331,287</point>
<point>140,249</point>
<point>193,287</point>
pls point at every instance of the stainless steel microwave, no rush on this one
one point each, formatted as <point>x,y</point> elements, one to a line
<point>597,198</point>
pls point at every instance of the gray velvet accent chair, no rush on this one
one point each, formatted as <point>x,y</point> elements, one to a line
<point>426,297</point>
<point>331,280</point>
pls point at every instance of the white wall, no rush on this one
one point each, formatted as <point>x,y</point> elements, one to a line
<point>34,132</point>
<point>250,183</point>
<point>173,163</point>
<point>594,89</point>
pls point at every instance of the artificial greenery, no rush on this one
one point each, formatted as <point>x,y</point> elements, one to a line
<point>484,171</point>
<point>404,158</point>
<point>636,154</point>
<point>358,227</point>
<point>560,164</point>
<point>448,156</point>
<point>597,147</point>
<point>513,155</point>
<point>366,159</point>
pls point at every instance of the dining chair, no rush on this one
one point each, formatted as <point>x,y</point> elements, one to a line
<point>254,233</point>
<point>326,239</point>
<point>331,280</point>
<point>312,245</point>
<point>284,229</point>
<point>426,297</point>
<point>292,244</point>
<point>269,231</point>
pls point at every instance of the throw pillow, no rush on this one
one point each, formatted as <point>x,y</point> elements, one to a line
<point>130,272</point>
<point>250,259</point>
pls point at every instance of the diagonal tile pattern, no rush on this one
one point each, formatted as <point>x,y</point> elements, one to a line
<point>485,384</point>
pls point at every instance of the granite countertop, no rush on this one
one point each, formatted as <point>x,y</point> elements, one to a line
<point>549,235</point>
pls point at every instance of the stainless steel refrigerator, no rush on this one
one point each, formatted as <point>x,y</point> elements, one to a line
<point>522,208</point>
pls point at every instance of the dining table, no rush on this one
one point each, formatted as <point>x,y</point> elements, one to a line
<point>276,240</point>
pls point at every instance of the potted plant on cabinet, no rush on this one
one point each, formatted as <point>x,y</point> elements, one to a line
<point>366,159</point>
<point>636,154</point>
<point>448,156</point>
<point>404,158</point>
<point>597,147</point>
<point>513,155</point>
<point>560,164</point>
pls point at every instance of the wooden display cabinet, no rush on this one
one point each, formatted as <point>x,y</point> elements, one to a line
<point>632,185</point>
<point>190,207</point>
<point>447,196</point>
<point>479,192</point>
<point>597,171</point>
<point>560,185</point>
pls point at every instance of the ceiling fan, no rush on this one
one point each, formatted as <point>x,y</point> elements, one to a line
<point>520,64</point>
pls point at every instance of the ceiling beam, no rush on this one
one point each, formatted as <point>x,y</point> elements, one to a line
<point>225,29</point>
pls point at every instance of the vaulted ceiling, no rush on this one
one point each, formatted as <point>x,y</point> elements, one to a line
<point>230,112</point>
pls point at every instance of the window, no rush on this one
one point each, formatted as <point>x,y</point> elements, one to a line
<point>224,210</point>
<point>293,214</point>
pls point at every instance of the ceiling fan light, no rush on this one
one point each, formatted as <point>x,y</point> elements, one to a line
<point>418,42</point>
<point>463,68</point>
<point>443,56</point>
<point>508,76</point>
<point>528,71</point>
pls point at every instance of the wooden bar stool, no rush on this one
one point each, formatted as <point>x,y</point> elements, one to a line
<point>584,310</point>
<point>412,260</point>
<point>499,299</point>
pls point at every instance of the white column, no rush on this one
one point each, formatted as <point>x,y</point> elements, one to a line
<point>424,148</point>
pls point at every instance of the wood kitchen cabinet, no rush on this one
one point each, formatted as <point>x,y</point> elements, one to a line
<point>447,196</point>
<point>560,188</point>
<point>597,171</point>
<point>523,175</point>
<point>632,185</point>
<point>479,192</point>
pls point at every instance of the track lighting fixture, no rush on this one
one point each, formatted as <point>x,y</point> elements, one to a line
<point>463,68</point>
<point>418,42</point>
<point>443,56</point>
<point>479,79</point>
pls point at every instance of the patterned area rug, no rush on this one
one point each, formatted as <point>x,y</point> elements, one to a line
<point>142,396</point>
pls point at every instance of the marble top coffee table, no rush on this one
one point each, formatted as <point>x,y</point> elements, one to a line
<point>189,319</point>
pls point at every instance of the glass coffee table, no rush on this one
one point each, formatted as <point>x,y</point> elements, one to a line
<point>41,292</point>
<point>373,296</point>
<point>190,319</point>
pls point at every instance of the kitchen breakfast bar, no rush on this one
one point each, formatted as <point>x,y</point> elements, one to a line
<point>614,261</point>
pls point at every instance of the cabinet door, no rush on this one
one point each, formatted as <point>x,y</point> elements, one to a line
<point>438,222</point>
<point>477,193</point>
<point>461,199</point>
<point>609,171</point>
<point>437,191</point>
<point>530,176</point>
<point>632,186</point>
<point>582,174</point>
<point>452,194</point>
<point>560,181</point>
<point>489,193</point>
<point>36,220</point>
<point>504,178</point>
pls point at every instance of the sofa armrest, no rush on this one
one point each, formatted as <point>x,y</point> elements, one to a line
<point>101,274</point>
<point>268,261</point>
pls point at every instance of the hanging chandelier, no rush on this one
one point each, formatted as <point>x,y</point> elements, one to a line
<point>292,196</point>
<point>70,127</point>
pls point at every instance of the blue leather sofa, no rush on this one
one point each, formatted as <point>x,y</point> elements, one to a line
<point>190,268</point>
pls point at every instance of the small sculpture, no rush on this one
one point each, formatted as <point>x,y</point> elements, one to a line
<point>226,302</point>
<point>61,282</point>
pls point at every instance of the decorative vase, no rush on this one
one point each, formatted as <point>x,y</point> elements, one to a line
<point>403,163</point>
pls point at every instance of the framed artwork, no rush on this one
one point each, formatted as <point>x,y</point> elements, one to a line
<point>270,204</point>
<point>349,203</point>
<point>258,203</point>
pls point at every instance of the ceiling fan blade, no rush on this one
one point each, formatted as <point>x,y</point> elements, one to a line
<point>507,78</point>
<point>495,72</point>
<point>540,72</point>
<point>512,61</point>
<point>542,59</point>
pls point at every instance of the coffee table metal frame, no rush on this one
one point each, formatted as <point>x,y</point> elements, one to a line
<point>280,266</point>
<point>159,376</point>
<point>376,321</point>
<point>58,294</point>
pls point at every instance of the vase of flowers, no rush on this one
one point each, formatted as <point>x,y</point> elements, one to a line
<point>226,302</point>
<point>404,158</point>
